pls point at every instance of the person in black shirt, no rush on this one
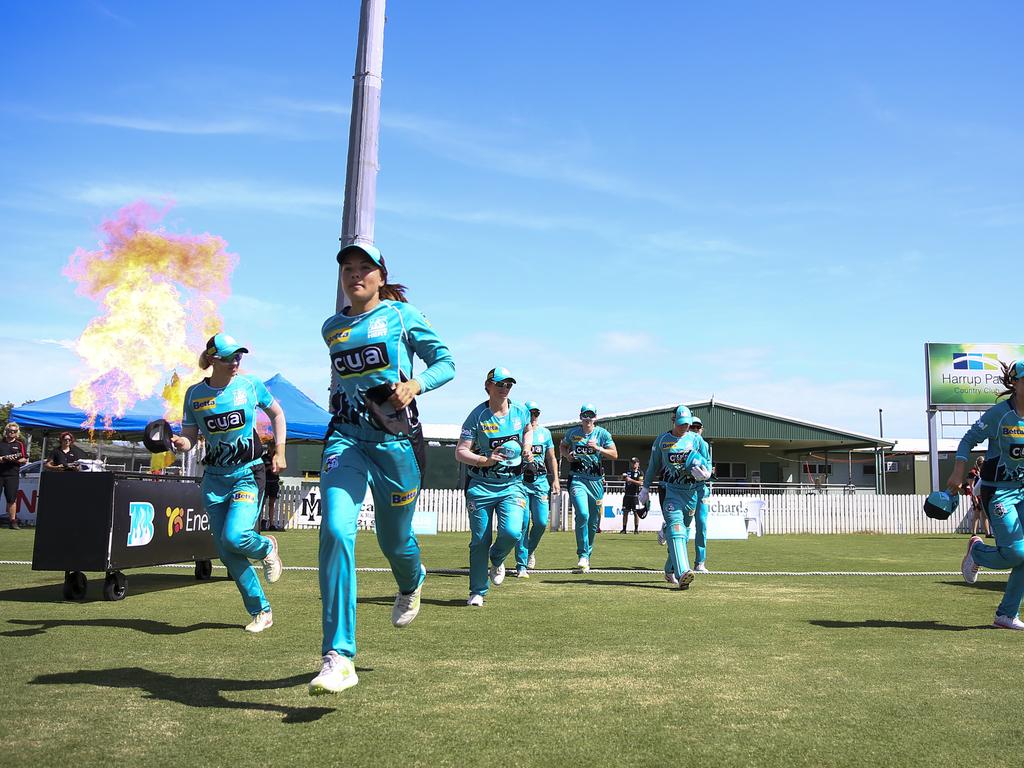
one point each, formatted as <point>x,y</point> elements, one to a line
<point>65,456</point>
<point>634,479</point>
<point>12,456</point>
<point>270,491</point>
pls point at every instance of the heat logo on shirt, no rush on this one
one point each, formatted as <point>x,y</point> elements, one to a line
<point>204,405</point>
<point>246,497</point>
<point>356,362</point>
<point>225,422</point>
<point>404,498</point>
<point>338,337</point>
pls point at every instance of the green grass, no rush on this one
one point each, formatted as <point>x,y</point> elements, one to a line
<point>562,670</point>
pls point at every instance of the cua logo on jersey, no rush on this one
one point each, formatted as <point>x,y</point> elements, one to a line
<point>537,449</point>
<point>204,405</point>
<point>337,337</point>
<point>355,362</point>
<point>499,441</point>
<point>1017,451</point>
<point>225,422</point>
<point>246,497</point>
<point>404,497</point>
<point>584,450</point>
<point>678,458</point>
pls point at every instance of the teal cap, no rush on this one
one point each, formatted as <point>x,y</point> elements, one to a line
<point>368,249</point>
<point>222,345</point>
<point>683,416</point>
<point>500,374</point>
<point>1018,369</point>
<point>530,405</point>
<point>588,408</point>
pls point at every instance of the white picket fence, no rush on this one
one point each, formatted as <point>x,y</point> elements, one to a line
<point>782,513</point>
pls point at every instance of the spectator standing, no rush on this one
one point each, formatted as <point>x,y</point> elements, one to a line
<point>268,520</point>
<point>12,456</point>
<point>633,479</point>
<point>65,456</point>
<point>972,488</point>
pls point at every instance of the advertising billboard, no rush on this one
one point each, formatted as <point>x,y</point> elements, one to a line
<point>966,376</point>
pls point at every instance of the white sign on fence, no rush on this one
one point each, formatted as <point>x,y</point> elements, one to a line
<point>28,495</point>
<point>727,519</point>
<point>308,514</point>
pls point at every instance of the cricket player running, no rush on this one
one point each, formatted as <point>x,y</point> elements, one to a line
<point>223,407</point>
<point>495,437</point>
<point>700,528</point>
<point>584,446</point>
<point>683,456</point>
<point>1002,493</point>
<point>374,437</point>
<point>538,465</point>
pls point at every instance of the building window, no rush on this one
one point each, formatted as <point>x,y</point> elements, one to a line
<point>730,470</point>
<point>817,469</point>
<point>869,469</point>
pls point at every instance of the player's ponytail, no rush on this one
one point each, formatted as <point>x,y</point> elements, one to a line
<point>205,361</point>
<point>1007,379</point>
<point>393,291</point>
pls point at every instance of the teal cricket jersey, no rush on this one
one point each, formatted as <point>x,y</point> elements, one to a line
<point>227,419</point>
<point>1004,459</point>
<point>586,462</point>
<point>488,431</point>
<point>669,453</point>
<point>541,443</point>
<point>378,347</point>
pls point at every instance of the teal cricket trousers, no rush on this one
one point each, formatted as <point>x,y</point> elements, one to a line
<point>535,523</point>
<point>232,502</point>
<point>349,463</point>
<point>484,502</point>
<point>586,494</point>
<point>678,510</point>
<point>1005,508</point>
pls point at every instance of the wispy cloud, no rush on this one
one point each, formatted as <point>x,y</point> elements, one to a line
<point>105,11</point>
<point>179,125</point>
<point>68,344</point>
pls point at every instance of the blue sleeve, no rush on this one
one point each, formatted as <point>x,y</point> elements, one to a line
<point>263,397</point>
<point>705,450</point>
<point>470,424</point>
<point>429,348</point>
<point>606,438</point>
<point>654,465</point>
<point>983,429</point>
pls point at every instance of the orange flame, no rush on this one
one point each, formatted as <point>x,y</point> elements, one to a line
<point>159,294</point>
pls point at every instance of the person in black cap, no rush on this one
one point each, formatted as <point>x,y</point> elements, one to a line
<point>634,480</point>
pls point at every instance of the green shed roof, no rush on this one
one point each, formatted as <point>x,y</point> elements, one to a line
<point>727,421</point>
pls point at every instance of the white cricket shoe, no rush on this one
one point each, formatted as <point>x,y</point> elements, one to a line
<point>476,601</point>
<point>407,606</point>
<point>671,578</point>
<point>497,574</point>
<point>531,561</point>
<point>272,565</point>
<point>686,580</point>
<point>337,673</point>
<point>699,568</point>
<point>661,536</point>
<point>583,566</point>
<point>968,567</point>
<point>522,573</point>
<point>262,620</point>
<point>1008,622</point>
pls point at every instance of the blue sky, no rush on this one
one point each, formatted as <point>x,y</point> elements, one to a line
<point>777,204</point>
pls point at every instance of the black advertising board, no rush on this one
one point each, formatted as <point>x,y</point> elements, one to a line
<point>73,521</point>
<point>108,521</point>
<point>158,520</point>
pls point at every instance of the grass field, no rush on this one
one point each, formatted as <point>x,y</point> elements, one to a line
<point>561,670</point>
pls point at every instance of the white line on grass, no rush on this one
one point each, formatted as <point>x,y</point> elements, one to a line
<point>465,571</point>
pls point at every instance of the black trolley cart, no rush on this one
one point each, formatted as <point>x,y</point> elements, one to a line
<point>110,521</point>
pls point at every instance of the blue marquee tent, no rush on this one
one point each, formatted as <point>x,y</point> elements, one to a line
<point>306,419</point>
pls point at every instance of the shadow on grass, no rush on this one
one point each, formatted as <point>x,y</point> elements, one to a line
<point>881,624</point>
<point>192,691</point>
<point>35,627</point>
<point>390,600</point>
<point>613,583</point>
<point>138,584</point>
<point>983,584</point>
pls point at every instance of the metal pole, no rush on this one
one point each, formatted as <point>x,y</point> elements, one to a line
<point>880,432</point>
<point>364,132</point>
<point>933,448</point>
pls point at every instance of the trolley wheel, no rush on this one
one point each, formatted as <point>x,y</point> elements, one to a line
<point>204,570</point>
<point>75,585</point>
<point>115,586</point>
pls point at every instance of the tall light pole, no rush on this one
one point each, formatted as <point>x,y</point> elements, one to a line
<point>360,207</point>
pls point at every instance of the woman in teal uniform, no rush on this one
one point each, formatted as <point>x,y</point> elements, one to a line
<point>374,437</point>
<point>584,447</point>
<point>540,463</point>
<point>223,407</point>
<point>495,437</point>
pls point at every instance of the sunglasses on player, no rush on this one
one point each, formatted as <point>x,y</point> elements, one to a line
<point>503,384</point>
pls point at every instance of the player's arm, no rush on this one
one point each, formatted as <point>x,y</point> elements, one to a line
<point>553,469</point>
<point>464,452</point>
<point>280,425</point>
<point>976,434</point>
<point>187,438</point>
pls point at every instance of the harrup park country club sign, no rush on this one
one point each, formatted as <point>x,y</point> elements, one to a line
<point>967,375</point>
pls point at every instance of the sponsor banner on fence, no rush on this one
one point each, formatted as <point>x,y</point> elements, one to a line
<point>28,496</point>
<point>727,518</point>
<point>308,514</point>
<point>967,374</point>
